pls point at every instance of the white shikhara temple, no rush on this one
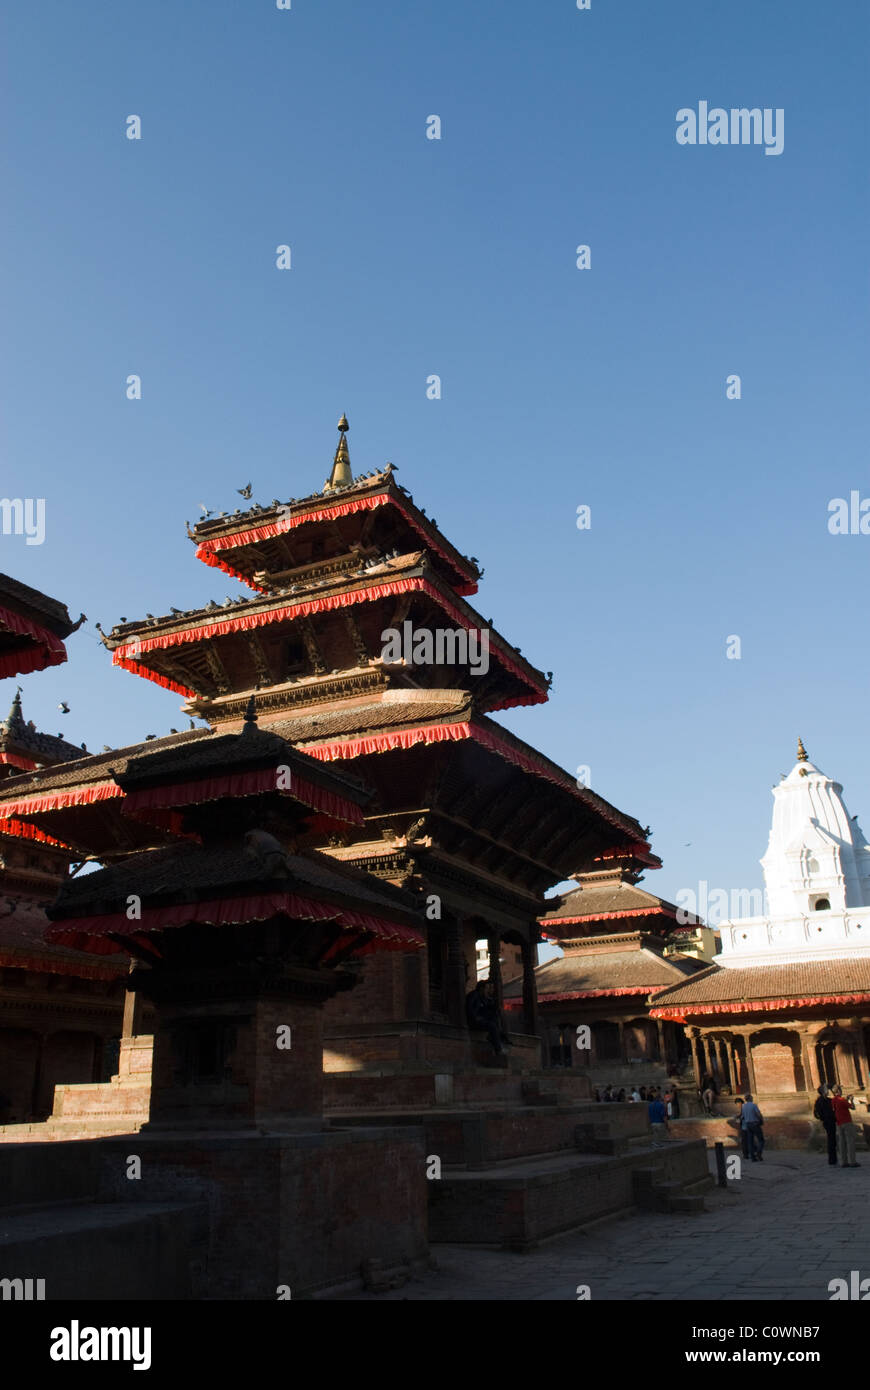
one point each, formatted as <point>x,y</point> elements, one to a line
<point>816,879</point>
<point>786,1003</point>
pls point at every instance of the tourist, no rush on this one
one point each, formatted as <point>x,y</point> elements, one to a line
<point>824,1112</point>
<point>608,1093</point>
<point>843,1106</point>
<point>658,1120</point>
<point>752,1122</point>
<point>621,1096</point>
<point>642,1093</point>
<point>597,1094</point>
<point>708,1096</point>
<point>635,1096</point>
<point>675,1103</point>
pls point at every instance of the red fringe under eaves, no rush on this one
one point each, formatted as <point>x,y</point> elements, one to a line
<point>93,933</point>
<point>209,551</point>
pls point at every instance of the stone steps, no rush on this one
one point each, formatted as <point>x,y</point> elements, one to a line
<point>516,1205</point>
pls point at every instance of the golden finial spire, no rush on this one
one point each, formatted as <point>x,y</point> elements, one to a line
<point>803,756</point>
<point>341,475</point>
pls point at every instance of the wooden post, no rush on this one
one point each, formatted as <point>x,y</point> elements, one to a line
<point>455,973</point>
<point>663,1049</point>
<point>750,1065</point>
<point>530,984</point>
<point>692,1035</point>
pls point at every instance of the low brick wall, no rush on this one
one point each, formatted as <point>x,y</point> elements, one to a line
<point>780,1132</point>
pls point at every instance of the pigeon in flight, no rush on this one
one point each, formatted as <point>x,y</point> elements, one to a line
<point>244,491</point>
<point>63,707</point>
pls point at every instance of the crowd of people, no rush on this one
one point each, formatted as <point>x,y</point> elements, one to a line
<point>667,1097</point>
<point>832,1109</point>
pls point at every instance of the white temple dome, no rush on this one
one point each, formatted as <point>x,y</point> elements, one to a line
<point>816,877</point>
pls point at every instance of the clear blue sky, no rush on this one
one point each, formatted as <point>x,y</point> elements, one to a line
<point>457,257</point>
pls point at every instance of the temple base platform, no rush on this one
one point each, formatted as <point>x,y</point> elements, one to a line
<point>234,1216</point>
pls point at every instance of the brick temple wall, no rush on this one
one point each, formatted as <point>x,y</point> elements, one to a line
<point>774,1065</point>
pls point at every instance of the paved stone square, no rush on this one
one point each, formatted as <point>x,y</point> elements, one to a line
<point>787,1227</point>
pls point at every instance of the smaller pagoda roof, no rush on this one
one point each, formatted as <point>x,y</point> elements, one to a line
<point>23,947</point>
<point>603,902</point>
<point>22,739</point>
<point>226,885</point>
<point>32,628</point>
<point>229,752</point>
<point>630,963</point>
<point>94,767</point>
<point>230,542</point>
<point>762,988</point>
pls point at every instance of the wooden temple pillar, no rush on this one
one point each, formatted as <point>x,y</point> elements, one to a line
<point>809,1061</point>
<point>733,1063</point>
<point>750,1065</point>
<point>694,1044</point>
<point>860,1052</point>
<point>455,982</point>
<point>663,1046</point>
<point>132,1014</point>
<point>530,985</point>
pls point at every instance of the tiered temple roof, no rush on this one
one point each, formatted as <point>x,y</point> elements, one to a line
<point>32,629</point>
<point>238,807</point>
<point>629,963</point>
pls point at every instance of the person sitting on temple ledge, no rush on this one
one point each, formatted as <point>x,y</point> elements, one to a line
<point>482,1011</point>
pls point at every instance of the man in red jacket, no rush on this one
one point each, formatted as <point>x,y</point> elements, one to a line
<point>843,1106</point>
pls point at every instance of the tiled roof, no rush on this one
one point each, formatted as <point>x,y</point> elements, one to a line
<point>50,612</point>
<point>94,768</point>
<point>582,972</point>
<point>392,711</point>
<point>604,899</point>
<point>253,747</point>
<point>756,983</point>
<point>186,872</point>
<point>22,940</point>
<point>16,734</point>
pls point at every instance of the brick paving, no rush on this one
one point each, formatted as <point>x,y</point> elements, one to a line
<point>788,1226</point>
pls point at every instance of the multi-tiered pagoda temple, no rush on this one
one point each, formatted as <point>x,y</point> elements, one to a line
<point>476,820</point>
